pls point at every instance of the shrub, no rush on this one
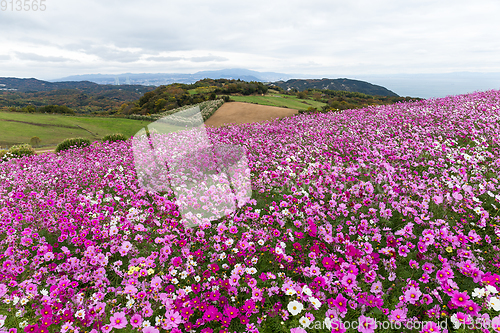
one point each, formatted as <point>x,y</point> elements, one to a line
<point>4,155</point>
<point>56,109</point>
<point>35,141</point>
<point>72,143</point>
<point>114,137</point>
<point>16,152</point>
<point>22,150</point>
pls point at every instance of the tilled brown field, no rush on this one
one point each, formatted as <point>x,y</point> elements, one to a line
<point>242,113</point>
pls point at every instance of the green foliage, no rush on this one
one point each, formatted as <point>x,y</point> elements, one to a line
<point>114,137</point>
<point>22,150</point>
<point>4,155</point>
<point>35,141</point>
<point>173,96</point>
<point>16,152</point>
<point>104,99</point>
<point>302,94</point>
<point>72,143</point>
<point>29,109</point>
<point>344,100</point>
<point>63,109</point>
<point>185,115</point>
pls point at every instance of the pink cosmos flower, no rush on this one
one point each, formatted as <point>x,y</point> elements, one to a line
<point>472,308</point>
<point>403,251</point>
<point>431,327</point>
<point>340,303</point>
<point>428,267</point>
<point>412,295</point>
<point>476,275</point>
<point>297,330</point>
<point>441,275</point>
<point>397,315</point>
<point>173,319</point>
<point>136,320</point>
<point>210,313</point>
<point>309,316</point>
<point>156,282</point>
<point>461,318</point>
<point>349,281</point>
<point>150,329</point>
<point>231,312</point>
<point>426,299</point>
<point>118,320</point>
<point>367,324</point>
<point>495,324</point>
<point>460,298</point>
<point>107,328</point>
<point>338,327</point>
<point>328,262</point>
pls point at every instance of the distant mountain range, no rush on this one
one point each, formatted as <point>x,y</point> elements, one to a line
<point>149,81</point>
<point>159,79</point>
<point>415,85</point>
<point>336,84</point>
<point>34,85</point>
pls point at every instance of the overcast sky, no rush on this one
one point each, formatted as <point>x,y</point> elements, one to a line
<point>308,37</point>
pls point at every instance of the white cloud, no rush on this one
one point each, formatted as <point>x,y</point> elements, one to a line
<point>316,37</point>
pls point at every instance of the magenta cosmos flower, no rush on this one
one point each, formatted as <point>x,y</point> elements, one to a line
<point>136,320</point>
<point>459,298</point>
<point>367,324</point>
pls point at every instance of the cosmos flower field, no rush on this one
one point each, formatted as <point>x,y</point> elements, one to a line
<point>382,214</point>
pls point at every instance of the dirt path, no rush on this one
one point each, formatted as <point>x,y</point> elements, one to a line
<point>242,113</point>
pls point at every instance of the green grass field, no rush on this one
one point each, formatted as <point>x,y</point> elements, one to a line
<point>284,101</point>
<point>16,128</point>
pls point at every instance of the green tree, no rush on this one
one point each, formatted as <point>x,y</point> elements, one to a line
<point>35,141</point>
<point>302,95</point>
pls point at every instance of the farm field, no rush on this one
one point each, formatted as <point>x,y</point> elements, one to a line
<point>52,129</point>
<point>366,217</point>
<point>243,113</point>
<point>279,100</point>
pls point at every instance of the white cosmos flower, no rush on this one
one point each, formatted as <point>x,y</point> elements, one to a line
<point>80,314</point>
<point>494,303</point>
<point>251,270</point>
<point>307,291</point>
<point>328,323</point>
<point>491,289</point>
<point>304,321</point>
<point>456,323</point>
<point>295,307</point>
<point>478,292</point>
<point>315,302</point>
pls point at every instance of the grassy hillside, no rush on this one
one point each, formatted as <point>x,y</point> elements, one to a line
<point>281,100</point>
<point>51,129</point>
